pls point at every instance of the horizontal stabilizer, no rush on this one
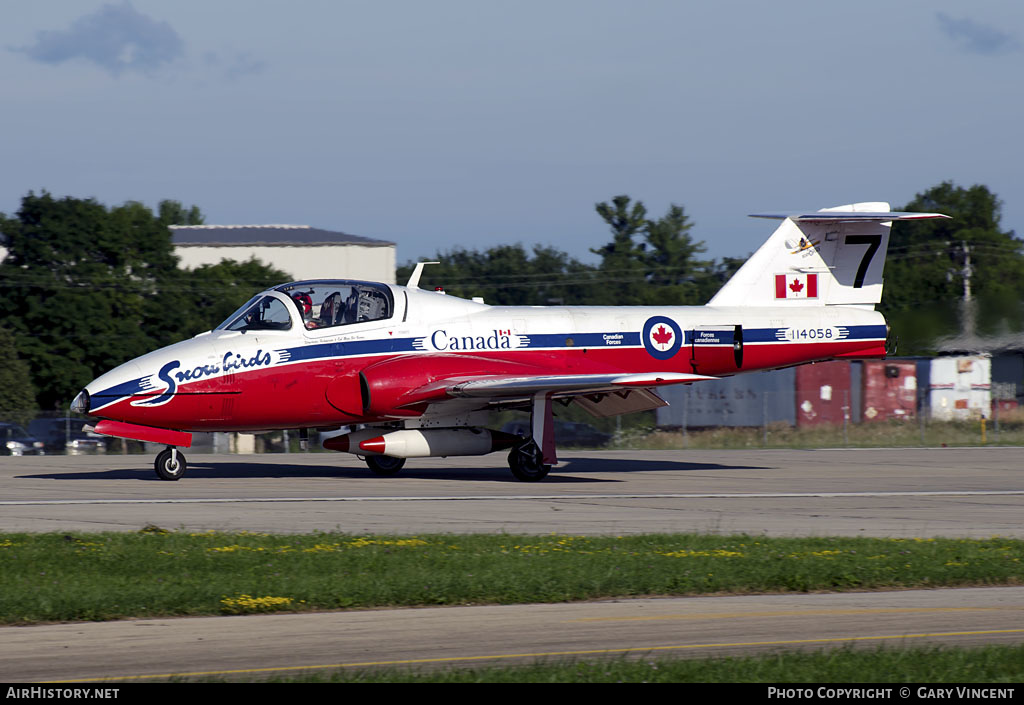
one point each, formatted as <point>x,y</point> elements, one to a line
<point>849,216</point>
<point>829,257</point>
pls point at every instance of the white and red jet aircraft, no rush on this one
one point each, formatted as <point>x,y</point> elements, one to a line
<point>415,372</point>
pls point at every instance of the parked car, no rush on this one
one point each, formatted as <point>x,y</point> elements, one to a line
<point>14,440</point>
<point>567,433</point>
<point>67,435</point>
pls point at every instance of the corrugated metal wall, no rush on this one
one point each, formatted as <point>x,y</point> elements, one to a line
<point>743,400</point>
<point>890,390</point>
<point>823,393</point>
<point>1008,380</point>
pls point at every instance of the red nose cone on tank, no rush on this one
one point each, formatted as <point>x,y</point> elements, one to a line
<point>374,445</point>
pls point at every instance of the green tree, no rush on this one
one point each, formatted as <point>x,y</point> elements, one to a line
<point>661,268</point>
<point>622,268</point>
<point>674,274</point>
<point>17,398</point>
<point>926,269</point>
<point>507,275</point>
<point>173,213</point>
<point>83,288</point>
<point>212,292</point>
<point>88,287</point>
<point>717,273</point>
<point>647,262</point>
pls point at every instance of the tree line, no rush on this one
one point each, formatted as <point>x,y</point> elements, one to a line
<point>648,261</point>
<point>86,287</point>
<point>656,261</point>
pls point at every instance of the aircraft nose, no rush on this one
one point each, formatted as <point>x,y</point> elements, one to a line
<point>120,382</point>
<point>81,403</point>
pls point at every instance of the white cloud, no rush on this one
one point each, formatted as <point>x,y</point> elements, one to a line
<point>977,38</point>
<point>116,38</point>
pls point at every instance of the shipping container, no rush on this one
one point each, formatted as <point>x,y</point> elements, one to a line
<point>1008,379</point>
<point>823,394</point>
<point>889,390</point>
<point>960,387</point>
<point>745,400</point>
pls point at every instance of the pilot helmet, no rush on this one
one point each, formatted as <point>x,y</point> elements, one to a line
<point>305,303</point>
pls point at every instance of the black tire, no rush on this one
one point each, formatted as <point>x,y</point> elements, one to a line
<point>526,461</point>
<point>385,464</point>
<point>166,469</point>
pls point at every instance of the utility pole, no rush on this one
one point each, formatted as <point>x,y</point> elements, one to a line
<point>967,270</point>
<point>967,305</point>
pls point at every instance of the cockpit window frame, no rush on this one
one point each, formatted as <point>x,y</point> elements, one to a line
<point>237,313</point>
<point>255,300</point>
<point>344,310</point>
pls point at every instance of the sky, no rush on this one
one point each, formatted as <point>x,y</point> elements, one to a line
<point>446,124</point>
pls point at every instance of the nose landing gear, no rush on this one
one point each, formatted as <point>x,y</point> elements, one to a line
<point>170,464</point>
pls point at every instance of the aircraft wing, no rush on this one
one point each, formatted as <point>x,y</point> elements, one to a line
<point>601,395</point>
<point>445,384</point>
<point>567,385</point>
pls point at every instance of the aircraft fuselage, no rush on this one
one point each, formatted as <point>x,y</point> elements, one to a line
<point>255,380</point>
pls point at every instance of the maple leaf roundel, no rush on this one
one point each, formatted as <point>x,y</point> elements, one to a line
<point>662,337</point>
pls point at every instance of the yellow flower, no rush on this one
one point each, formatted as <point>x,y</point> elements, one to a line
<point>716,553</point>
<point>247,603</point>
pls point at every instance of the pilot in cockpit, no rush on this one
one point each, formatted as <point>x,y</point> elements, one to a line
<point>305,304</point>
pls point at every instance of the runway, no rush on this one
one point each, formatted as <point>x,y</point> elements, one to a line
<point>900,493</point>
<point>248,648</point>
<point>953,492</point>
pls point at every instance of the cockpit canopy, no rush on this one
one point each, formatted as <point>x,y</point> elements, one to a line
<point>317,304</point>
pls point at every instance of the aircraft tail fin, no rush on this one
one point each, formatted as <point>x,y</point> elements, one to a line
<point>833,256</point>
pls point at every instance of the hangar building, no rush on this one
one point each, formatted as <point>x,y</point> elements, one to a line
<point>302,251</point>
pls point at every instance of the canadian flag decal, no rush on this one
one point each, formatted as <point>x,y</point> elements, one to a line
<point>796,286</point>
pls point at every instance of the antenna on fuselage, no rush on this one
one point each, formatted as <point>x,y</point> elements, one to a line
<point>414,278</point>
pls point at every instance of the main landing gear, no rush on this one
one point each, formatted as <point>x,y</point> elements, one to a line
<point>526,461</point>
<point>170,464</point>
<point>385,465</point>
<point>531,459</point>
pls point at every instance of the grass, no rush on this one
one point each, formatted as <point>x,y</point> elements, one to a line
<point>884,434</point>
<point>932,665</point>
<point>60,577</point>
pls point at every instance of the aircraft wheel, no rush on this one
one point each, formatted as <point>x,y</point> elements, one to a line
<point>384,464</point>
<point>527,462</point>
<point>167,468</point>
